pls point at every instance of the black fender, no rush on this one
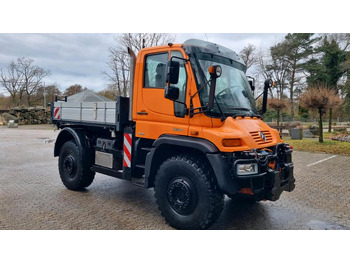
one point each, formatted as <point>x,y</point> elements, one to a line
<point>222,171</point>
<point>208,149</point>
<point>74,134</point>
<point>201,144</point>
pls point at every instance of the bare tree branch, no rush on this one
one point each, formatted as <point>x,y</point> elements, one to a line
<point>11,80</point>
<point>118,63</point>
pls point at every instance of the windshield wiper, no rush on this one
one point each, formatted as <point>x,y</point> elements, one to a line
<point>200,88</point>
<point>244,109</point>
<point>239,108</point>
<point>223,114</point>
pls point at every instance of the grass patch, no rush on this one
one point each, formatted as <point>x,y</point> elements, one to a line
<point>328,146</point>
<point>328,135</point>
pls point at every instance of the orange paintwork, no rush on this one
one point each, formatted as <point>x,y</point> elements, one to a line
<point>239,128</point>
<point>246,191</point>
<point>157,113</point>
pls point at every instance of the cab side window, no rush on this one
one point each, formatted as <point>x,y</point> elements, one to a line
<point>179,109</point>
<point>155,71</point>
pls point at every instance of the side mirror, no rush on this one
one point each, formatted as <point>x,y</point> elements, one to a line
<point>172,92</point>
<point>252,85</point>
<point>251,82</point>
<point>173,68</point>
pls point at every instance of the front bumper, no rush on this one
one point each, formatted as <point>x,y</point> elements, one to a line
<point>268,183</point>
<point>281,181</point>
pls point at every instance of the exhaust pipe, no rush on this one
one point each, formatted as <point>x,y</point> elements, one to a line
<point>131,77</point>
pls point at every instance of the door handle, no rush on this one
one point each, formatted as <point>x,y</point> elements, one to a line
<point>142,113</point>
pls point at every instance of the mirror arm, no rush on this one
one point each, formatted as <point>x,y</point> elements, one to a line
<point>212,93</point>
<point>182,103</point>
<point>201,109</point>
<point>268,84</point>
<point>181,58</point>
<point>259,96</point>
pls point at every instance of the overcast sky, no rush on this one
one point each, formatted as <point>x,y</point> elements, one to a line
<point>81,58</point>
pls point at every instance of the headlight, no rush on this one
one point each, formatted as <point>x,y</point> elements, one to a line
<point>247,169</point>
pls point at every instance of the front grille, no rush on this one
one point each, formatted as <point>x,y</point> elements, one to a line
<point>259,140</point>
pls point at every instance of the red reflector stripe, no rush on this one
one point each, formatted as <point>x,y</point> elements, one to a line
<point>128,137</point>
<point>56,112</point>
<point>127,150</point>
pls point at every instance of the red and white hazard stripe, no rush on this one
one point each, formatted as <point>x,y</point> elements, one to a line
<point>127,150</point>
<point>57,113</point>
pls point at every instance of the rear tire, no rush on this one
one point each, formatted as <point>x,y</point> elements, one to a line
<point>187,193</point>
<point>75,174</point>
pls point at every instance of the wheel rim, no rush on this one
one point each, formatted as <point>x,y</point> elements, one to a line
<point>181,196</point>
<point>69,166</point>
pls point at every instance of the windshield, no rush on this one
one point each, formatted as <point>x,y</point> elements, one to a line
<point>232,94</point>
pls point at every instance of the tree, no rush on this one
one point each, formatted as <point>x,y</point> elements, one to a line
<point>32,76</point>
<point>264,59</point>
<point>109,92</point>
<point>346,88</point>
<point>249,55</point>
<point>4,101</point>
<point>278,70</point>
<point>294,51</point>
<point>11,81</point>
<point>73,89</point>
<point>22,77</point>
<point>272,66</point>
<point>118,62</point>
<point>320,99</point>
<point>50,90</point>
<point>278,105</point>
<point>327,69</point>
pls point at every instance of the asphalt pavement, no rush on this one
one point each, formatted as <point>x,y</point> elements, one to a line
<point>32,195</point>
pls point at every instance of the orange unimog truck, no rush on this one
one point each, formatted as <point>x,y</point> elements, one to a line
<point>189,128</point>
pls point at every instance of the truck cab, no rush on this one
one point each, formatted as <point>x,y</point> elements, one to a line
<point>189,128</point>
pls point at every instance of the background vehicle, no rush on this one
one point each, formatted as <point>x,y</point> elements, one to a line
<point>190,129</point>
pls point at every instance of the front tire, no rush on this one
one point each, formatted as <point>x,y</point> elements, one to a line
<point>187,193</point>
<point>75,174</point>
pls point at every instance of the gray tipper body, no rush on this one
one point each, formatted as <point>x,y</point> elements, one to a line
<point>92,112</point>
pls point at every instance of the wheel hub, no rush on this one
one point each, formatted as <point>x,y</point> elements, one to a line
<point>181,196</point>
<point>69,166</point>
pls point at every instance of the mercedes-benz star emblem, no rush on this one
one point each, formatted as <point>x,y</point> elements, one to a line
<point>263,137</point>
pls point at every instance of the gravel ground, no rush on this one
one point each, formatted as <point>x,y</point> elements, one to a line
<point>33,197</point>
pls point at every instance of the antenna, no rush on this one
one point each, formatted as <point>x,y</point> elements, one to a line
<point>206,36</point>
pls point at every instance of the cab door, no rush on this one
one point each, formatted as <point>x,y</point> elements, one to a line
<point>156,115</point>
